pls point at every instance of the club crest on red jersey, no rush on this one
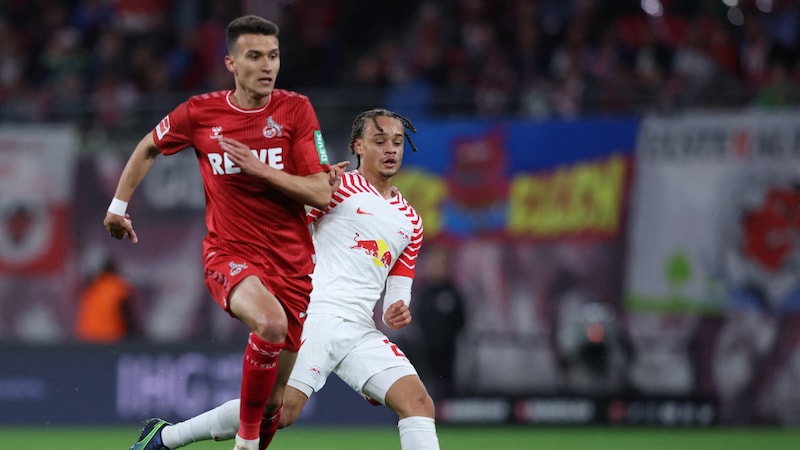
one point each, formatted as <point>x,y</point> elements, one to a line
<point>272,129</point>
<point>236,268</point>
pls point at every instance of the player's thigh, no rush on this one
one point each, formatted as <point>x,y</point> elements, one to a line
<point>325,341</point>
<point>293,402</point>
<point>374,354</point>
<point>236,285</point>
<point>255,305</point>
<point>286,362</point>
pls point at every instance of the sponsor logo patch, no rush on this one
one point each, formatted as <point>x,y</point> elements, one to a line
<point>320,144</point>
<point>163,128</point>
<point>216,133</point>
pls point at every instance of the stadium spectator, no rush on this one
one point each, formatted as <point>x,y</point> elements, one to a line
<point>108,309</point>
<point>440,312</point>
<point>258,252</point>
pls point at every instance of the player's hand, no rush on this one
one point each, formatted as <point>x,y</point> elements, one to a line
<point>397,315</point>
<point>242,157</point>
<point>335,174</point>
<point>120,227</point>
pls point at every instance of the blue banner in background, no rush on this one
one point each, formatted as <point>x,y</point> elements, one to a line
<point>528,146</point>
<point>525,179</point>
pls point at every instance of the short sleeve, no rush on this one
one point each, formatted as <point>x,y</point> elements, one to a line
<point>407,262</point>
<point>308,150</point>
<point>173,133</point>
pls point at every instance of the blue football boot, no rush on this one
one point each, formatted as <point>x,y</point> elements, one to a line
<point>150,438</point>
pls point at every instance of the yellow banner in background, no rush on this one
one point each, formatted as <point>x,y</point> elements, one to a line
<point>426,192</point>
<point>585,198</point>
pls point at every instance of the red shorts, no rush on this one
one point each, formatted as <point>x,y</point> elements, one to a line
<point>223,272</point>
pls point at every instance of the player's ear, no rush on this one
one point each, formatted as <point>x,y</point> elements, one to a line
<point>229,64</point>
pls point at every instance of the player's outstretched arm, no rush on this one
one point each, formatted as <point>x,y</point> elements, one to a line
<point>313,190</point>
<point>117,221</point>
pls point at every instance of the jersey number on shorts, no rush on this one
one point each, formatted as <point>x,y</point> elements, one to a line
<point>395,349</point>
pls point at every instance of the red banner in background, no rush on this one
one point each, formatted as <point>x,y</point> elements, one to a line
<point>37,172</point>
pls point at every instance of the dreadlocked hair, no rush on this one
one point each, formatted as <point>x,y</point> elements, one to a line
<point>360,123</point>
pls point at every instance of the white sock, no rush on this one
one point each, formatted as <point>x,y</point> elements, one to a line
<point>219,424</point>
<point>418,433</point>
<point>249,444</point>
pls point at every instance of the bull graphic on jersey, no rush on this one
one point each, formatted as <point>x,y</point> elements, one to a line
<point>376,248</point>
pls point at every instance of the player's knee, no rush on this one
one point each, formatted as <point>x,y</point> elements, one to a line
<point>270,327</point>
<point>424,405</point>
<point>418,403</point>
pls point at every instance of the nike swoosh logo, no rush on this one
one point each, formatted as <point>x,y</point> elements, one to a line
<point>361,211</point>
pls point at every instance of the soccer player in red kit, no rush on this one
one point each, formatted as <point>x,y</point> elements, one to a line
<point>262,158</point>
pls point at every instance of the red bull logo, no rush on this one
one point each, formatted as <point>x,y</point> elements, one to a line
<point>376,248</point>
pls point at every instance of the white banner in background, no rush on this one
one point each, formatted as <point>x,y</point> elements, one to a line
<point>715,214</point>
<point>37,168</point>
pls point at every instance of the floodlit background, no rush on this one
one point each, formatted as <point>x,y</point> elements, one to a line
<point>611,188</point>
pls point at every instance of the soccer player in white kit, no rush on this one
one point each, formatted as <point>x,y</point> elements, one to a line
<point>368,238</point>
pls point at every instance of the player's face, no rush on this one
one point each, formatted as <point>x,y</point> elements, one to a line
<point>255,63</point>
<point>381,151</point>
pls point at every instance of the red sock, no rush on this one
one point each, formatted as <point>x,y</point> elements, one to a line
<point>269,426</point>
<point>259,371</point>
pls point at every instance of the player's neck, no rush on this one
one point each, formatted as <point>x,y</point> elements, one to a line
<point>243,100</point>
<point>383,185</point>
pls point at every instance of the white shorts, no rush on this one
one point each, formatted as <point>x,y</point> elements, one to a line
<point>353,351</point>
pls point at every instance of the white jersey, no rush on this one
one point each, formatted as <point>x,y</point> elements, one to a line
<point>360,240</point>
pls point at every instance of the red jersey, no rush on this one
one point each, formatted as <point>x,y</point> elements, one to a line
<point>245,216</point>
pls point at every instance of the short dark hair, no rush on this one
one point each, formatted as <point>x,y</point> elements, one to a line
<point>360,123</point>
<point>249,24</point>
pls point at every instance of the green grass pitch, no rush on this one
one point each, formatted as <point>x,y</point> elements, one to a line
<point>451,438</point>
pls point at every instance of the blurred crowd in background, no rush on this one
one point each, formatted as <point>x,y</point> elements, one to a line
<point>100,60</point>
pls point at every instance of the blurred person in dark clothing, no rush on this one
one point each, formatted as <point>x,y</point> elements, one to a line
<point>440,313</point>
